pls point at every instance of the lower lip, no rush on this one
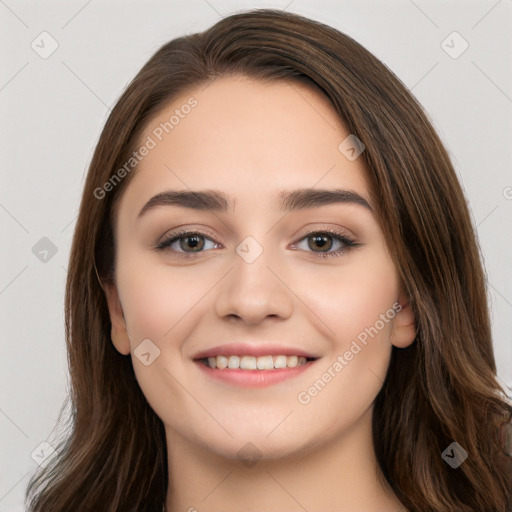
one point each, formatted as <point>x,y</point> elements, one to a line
<point>253,378</point>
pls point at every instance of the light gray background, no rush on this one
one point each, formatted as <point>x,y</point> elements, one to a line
<point>53,110</point>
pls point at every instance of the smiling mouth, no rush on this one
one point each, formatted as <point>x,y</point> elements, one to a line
<point>269,362</point>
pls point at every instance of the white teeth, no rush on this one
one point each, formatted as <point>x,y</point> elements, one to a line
<point>222,362</point>
<point>256,363</point>
<point>292,361</point>
<point>234,362</point>
<point>248,363</point>
<point>265,363</point>
<point>280,362</point>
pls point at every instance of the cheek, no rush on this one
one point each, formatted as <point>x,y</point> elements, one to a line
<point>156,297</point>
<point>355,306</point>
<point>162,304</point>
<point>351,300</point>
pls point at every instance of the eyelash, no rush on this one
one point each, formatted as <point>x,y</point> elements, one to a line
<point>348,243</point>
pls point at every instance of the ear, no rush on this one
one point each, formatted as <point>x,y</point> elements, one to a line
<point>119,333</point>
<point>403,332</point>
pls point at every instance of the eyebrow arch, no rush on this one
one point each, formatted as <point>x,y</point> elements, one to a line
<point>287,200</point>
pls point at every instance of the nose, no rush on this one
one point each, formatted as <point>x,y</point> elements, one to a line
<point>252,292</point>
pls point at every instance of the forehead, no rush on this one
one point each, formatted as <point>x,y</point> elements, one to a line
<point>249,138</point>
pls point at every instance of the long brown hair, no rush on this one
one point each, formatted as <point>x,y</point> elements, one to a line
<point>439,390</point>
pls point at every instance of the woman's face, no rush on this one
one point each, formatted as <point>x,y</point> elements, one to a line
<point>275,264</point>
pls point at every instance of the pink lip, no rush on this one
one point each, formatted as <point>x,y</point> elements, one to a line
<point>253,378</point>
<point>253,349</point>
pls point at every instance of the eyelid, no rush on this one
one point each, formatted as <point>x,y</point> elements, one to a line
<point>325,228</point>
<point>307,230</point>
<point>183,230</point>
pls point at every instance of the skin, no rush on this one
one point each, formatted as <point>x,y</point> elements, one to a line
<point>252,139</point>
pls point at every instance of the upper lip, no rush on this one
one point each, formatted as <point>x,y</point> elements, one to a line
<point>254,349</point>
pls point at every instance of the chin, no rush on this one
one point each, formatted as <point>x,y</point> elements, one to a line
<point>255,443</point>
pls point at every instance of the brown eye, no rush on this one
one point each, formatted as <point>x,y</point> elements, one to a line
<point>321,241</point>
<point>186,243</point>
<point>196,243</point>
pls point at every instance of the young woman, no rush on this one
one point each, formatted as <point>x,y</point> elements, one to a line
<point>275,300</point>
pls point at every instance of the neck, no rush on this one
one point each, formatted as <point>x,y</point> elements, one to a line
<point>340,474</point>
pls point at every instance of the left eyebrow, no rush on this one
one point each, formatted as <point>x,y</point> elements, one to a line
<point>218,201</point>
<point>312,198</point>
